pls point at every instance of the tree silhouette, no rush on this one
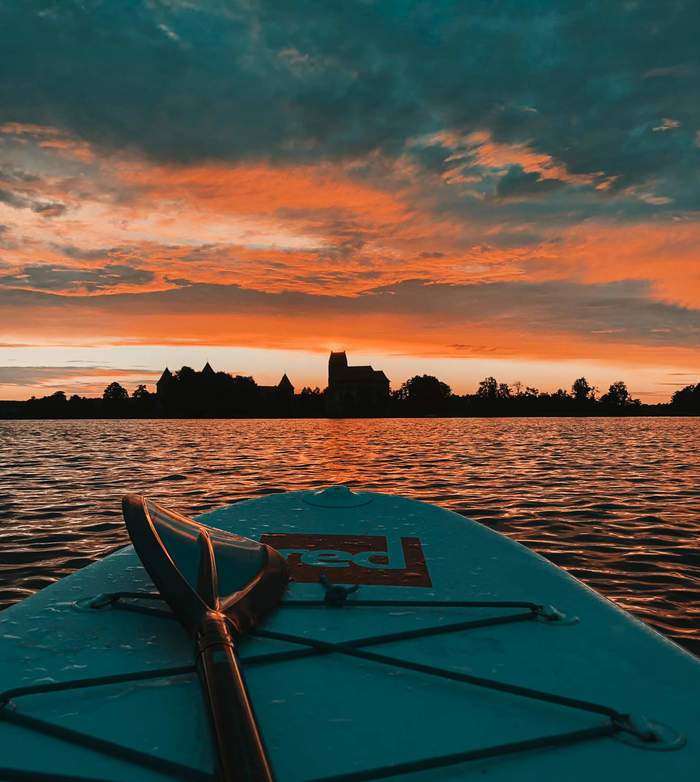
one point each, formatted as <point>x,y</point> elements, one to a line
<point>503,391</point>
<point>186,374</point>
<point>424,394</point>
<point>618,395</point>
<point>488,388</point>
<point>687,399</point>
<point>582,391</point>
<point>491,389</point>
<point>140,392</point>
<point>115,393</point>
<point>310,403</point>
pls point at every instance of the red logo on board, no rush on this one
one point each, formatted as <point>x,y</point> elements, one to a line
<point>352,559</point>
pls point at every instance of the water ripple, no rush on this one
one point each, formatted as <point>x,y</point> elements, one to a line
<point>614,501</point>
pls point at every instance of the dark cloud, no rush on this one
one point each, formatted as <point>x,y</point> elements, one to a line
<point>15,174</point>
<point>13,200</point>
<point>53,209</point>
<point>81,254</point>
<point>19,201</point>
<point>623,312</point>
<point>205,252</point>
<point>506,239</point>
<point>517,184</point>
<point>66,278</point>
<point>586,83</point>
<point>23,376</point>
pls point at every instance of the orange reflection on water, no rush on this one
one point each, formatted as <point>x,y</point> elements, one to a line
<point>614,501</point>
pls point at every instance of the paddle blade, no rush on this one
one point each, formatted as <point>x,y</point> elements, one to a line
<point>199,570</point>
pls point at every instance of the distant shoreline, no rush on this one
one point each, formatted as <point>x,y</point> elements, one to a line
<point>353,392</point>
<point>616,414</point>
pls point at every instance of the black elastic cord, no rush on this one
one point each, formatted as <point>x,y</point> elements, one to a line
<point>91,742</point>
<point>95,681</point>
<point>18,775</point>
<point>443,673</point>
<point>376,640</point>
<point>556,740</point>
<point>535,607</point>
<point>108,598</point>
<point>105,747</point>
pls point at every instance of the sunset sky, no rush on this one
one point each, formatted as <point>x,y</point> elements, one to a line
<point>456,188</point>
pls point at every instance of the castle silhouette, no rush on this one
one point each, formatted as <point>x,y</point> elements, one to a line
<point>218,394</point>
<point>352,390</point>
<point>165,383</point>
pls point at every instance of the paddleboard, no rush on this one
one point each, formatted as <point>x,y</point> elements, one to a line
<point>541,679</point>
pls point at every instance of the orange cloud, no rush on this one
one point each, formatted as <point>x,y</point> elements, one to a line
<point>478,150</point>
<point>666,253</point>
<point>133,227</point>
<point>313,325</point>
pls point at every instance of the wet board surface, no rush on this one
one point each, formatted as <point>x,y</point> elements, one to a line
<point>331,714</point>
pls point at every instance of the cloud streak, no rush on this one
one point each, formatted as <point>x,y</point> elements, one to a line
<point>445,318</point>
<point>66,278</point>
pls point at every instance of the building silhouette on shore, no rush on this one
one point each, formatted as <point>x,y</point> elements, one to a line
<point>354,390</point>
<point>278,399</point>
<point>209,393</point>
<point>165,382</point>
<point>283,389</point>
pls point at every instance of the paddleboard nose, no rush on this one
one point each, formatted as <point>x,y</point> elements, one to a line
<point>338,496</point>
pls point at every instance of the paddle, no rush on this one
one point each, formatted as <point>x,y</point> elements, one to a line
<point>219,585</point>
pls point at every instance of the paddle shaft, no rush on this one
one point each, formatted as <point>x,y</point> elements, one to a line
<point>240,748</point>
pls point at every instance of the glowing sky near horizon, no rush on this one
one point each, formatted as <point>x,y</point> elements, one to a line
<point>460,190</point>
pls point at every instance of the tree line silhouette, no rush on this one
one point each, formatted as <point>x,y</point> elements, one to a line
<point>220,395</point>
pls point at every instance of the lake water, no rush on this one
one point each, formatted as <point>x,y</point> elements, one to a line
<point>614,501</point>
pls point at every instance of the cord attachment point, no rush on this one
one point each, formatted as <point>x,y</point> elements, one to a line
<point>639,731</point>
<point>103,600</point>
<point>552,615</point>
<point>336,595</point>
<point>110,599</point>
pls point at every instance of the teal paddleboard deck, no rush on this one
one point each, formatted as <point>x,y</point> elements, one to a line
<point>530,690</point>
